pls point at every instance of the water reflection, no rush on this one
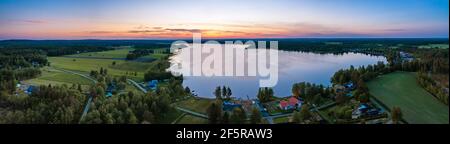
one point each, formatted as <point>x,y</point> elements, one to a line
<point>293,67</point>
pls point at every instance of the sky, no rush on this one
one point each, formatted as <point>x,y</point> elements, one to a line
<point>168,19</point>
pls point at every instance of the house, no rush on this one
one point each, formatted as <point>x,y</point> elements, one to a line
<point>290,104</point>
<point>153,84</point>
<point>284,105</point>
<point>349,86</point>
<point>30,89</point>
<point>406,56</point>
<point>365,110</point>
<point>339,88</point>
<point>295,102</point>
<point>229,106</point>
<point>110,88</point>
<point>363,107</point>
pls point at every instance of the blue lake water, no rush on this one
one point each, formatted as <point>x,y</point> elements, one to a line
<point>293,67</point>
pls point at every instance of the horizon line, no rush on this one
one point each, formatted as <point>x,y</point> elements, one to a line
<point>226,38</point>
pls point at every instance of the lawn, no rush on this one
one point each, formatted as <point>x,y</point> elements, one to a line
<point>198,105</point>
<point>189,119</point>
<point>417,105</point>
<point>118,53</point>
<point>86,65</point>
<point>281,120</point>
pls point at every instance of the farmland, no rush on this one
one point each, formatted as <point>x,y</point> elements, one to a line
<point>86,65</point>
<point>401,89</point>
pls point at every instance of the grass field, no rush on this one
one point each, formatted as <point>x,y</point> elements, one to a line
<point>86,65</point>
<point>440,46</point>
<point>197,105</point>
<point>55,77</point>
<point>188,119</point>
<point>281,120</point>
<point>118,53</point>
<point>417,105</point>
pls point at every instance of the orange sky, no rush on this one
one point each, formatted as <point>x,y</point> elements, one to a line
<point>155,19</point>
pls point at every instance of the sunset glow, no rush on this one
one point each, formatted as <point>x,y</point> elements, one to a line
<point>165,19</point>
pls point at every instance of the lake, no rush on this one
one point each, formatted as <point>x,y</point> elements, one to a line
<point>293,67</point>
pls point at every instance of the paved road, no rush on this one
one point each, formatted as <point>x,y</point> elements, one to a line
<point>89,101</point>
<point>192,112</point>
<point>75,73</point>
<point>137,85</point>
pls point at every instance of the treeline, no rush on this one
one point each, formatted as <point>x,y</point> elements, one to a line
<point>20,58</point>
<point>312,93</point>
<point>136,108</point>
<point>138,53</point>
<point>223,93</point>
<point>265,94</point>
<point>9,78</point>
<point>431,86</point>
<point>425,60</point>
<point>46,105</point>
<point>352,45</point>
<point>129,109</point>
<point>358,77</point>
<point>362,73</point>
<point>216,115</point>
<point>66,47</point>
<point>158,71</point>
<point>17,65</point>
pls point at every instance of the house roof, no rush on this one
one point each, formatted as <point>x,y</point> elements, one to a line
<point>283,103</point>
<point>363,106</point>
<point>293,101</point>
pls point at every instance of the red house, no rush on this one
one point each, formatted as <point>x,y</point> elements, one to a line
<point>284,104</point>
<point>291,103</point>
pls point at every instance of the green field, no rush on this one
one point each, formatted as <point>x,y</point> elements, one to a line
<point>198,105</point>
<point>56,77</point>
<point>281,120</point>
<point>417,105</point>
<point>118,53</point>
<point>86,65</point>
<point>440,46</point>
<point>188,119</point>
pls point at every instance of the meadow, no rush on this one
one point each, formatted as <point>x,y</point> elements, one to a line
<point>417,105</point>
<point>189,119</point>
<point>439,46</point>
<point>198,105</point>
<point>86,65</point>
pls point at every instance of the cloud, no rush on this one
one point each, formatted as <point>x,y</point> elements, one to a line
<point>100,32</point>
<point>395,30</point>
<point>34,21</point>
<point>184,30</point>
<point>145,31</point>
